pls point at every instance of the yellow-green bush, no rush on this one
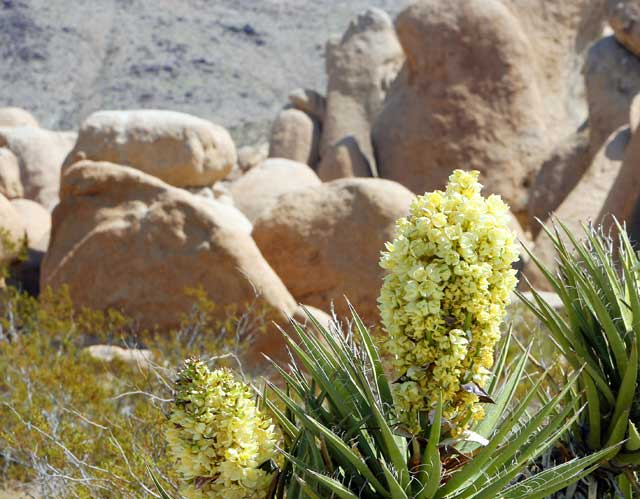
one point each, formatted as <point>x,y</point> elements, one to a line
<point>74,426</point>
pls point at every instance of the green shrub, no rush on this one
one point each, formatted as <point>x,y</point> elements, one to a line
<point>73,426</point>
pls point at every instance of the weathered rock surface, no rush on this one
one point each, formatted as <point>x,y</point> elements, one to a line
<point>178,148</point>
<point>134,357</point>
<point>524,238</point>
<point>467,98</point>
<point>40,156</point>
<point>612,76</point>
<point>309,101</point>
<point>37,223</point>
<point>126,240</point>
<point>560,34</point>
<point>634,114</point>
<point>622,198</point>
<point>10,184</point>
<point>585,202</point>
<point>295,136</point>
<point>559,174</point>
<point>344,159</point>
<point>624,18</point>
<point>325,241</point>
<point>360,67</point>
<point>15,117</point>
<point>257,190</point>
<point>250,156</point>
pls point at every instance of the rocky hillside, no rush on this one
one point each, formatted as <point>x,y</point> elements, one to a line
<point>231,61</point>
<point>539,97</point>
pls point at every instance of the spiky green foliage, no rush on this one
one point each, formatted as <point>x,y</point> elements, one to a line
<point>597,279</point>
<point>343,438</point>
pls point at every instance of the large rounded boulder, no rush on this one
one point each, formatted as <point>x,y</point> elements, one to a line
<point>37,223</point>
<point>17,117</point>
<point>295,135</point>
<point>258,189</point>
<point>40,154</point>
<point>10,183</point>
<point>466,98</point>
<point>325,241</point>
<point>180,149</point>
<point>126,240</point>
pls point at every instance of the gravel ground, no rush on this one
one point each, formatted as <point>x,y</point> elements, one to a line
<point>231,61</point>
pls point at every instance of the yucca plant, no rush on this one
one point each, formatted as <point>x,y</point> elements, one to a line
<point>449,426</point>
<point>342,437</point>
<point>597,278</point>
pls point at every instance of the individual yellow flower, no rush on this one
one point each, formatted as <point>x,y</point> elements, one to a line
<point>222,443</point>
<point>444,297</point>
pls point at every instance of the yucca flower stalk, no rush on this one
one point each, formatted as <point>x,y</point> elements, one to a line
<point>444,299</point>
<point>342,437</point>
<point>223,444</point>
<point>598,280</point>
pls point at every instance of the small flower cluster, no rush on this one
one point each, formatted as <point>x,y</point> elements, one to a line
<point>219,438</point>
<point>444,297</point>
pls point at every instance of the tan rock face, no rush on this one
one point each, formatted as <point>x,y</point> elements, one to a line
<point>178,148</point>
<point>16,117</point>
<point>134,357</point>
<point>325,241</point>
<point>295,136</point>
<point>634,114</point>
<point>467,98</point>
<point>37,223</point>
<point>12,232</point>
<point>624,18</point>
<point>360,67</point>
<point>40,156</point>
<point>622,198</point>
<point>253,155</point>
<point>309,101</point>
<point>124,239</point>
<point>560,33</point>
<point>524,238</point>
<point>223,202</point>
<point>612,76</point>
<point>344,159</point>
<point>559,174</point>
<point>257,190</point>
<point>10,184</point>
<point>586,201</point>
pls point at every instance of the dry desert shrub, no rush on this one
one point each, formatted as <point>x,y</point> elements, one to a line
<point>75,426</point>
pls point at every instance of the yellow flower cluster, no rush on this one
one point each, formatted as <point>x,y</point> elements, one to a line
<point>222,443</point>
<point>444,297</point>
